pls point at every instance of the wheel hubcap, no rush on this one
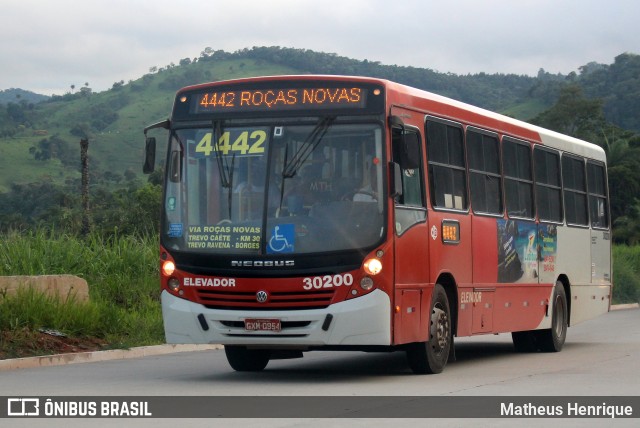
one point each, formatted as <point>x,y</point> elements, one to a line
<point>439,329</point>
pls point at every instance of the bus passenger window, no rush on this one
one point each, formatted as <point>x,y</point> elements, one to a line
<point>548,190</point>
<point>484,173</point>
<point>575,190</point>
<point>447,171</point>
<point>518,180</point>
<point>598,204</point>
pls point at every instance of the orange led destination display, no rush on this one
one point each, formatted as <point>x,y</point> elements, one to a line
<point>244,100</point>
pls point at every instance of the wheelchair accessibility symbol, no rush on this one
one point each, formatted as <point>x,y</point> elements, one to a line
<point>282,239</point>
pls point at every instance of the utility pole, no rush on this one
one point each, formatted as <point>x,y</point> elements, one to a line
<point>84,161</point>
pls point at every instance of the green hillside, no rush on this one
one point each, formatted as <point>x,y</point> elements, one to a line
<point>39,142</point>
<point>112,120</point>
<point>14,95</point>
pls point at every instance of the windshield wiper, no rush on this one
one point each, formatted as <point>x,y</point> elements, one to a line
<point>226,172</point>
<point>291,167</point>
<point>310,143</point>
<point>224,169</point>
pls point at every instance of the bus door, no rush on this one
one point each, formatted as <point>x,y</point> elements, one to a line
<point>449,221</point>
<point>411,237</point>
<point>599,215</point>
<point>485,192</point>
<point>480,299</point>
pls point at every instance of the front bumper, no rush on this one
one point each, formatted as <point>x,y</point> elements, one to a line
<point>364,321</point>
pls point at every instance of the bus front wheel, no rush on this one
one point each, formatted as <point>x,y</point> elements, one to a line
<point>430,357</point>
<point>242,359</point>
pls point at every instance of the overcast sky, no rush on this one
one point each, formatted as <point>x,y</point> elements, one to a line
<point>47,46</point>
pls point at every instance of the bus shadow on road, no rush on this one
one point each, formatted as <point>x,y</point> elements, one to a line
<point>337,366</point>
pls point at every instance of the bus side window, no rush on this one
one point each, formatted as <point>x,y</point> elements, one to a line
<point>410,205</point>
<point>518,179</point>
<point>575,190</point>
<point>548,186</point>
<point>598,204</point>
<point>447,170</point>
<point>483,151</point>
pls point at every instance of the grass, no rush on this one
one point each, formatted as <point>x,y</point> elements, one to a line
<point>122,273</point>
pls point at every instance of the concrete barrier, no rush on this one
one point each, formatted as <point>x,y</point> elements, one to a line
<point>63,286</point>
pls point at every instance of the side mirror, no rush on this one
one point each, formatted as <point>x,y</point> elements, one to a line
<point>406,144</point>
<point>395,172</point>
<point>150,146</point>
<point>149,155</point>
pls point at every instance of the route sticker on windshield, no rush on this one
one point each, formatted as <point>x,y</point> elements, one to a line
<point>282,239</point>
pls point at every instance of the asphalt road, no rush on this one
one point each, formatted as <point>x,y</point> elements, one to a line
<point>601,357</point>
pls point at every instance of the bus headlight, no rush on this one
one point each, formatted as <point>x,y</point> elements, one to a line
<point>366,283</point>
<point>168,268</point>
<point>373,266</point>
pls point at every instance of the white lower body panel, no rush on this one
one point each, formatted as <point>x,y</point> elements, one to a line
<point>589,301</point>
<point>362,321</point>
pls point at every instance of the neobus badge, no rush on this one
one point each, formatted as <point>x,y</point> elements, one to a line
<point>262,263</point>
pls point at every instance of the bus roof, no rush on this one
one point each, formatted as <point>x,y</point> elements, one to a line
<point>496,122</point>
<point>430,103</point>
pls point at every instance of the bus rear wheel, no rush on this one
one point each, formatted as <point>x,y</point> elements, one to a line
<point>242,359</point>
<point>431,357</point>
<point>552,339</point>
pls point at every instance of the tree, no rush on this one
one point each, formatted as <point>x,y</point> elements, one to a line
<point>84,159</point>
<point>574,115</point>
<point>626,228</point>
<point>85,91</point>
<point>82,130</point>
<point>16,112</point>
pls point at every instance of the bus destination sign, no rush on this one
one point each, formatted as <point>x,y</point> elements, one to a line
<point>250,100</point>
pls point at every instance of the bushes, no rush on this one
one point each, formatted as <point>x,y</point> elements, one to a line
<point>626,274</point>
<point>132,210</point>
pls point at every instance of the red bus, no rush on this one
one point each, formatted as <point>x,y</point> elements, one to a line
<point>309,213</point>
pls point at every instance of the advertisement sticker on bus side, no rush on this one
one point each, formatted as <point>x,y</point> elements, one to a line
<point>522,245</point>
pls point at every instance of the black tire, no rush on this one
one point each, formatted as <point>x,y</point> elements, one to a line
<point>431,357</point>
<point>242,359</point>
<point>524,341</point>
<point>552,339</point>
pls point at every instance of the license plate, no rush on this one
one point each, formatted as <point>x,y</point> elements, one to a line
<point>253,324</point>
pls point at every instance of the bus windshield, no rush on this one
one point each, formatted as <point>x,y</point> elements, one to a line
<point>275,189</point>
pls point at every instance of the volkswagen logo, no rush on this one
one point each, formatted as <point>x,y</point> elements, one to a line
<point>262,296</point>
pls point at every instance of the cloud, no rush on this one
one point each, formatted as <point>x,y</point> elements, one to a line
<point>52,45</point>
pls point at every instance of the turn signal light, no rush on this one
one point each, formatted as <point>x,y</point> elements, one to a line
<point>366,283</point>
<point>373,266</point>
<point>168,268</point>
<point>173,284</point>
